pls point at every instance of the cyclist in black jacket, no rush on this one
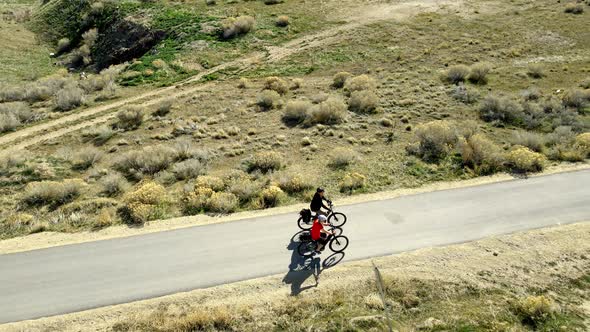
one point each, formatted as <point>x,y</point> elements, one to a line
<point>317,202</point>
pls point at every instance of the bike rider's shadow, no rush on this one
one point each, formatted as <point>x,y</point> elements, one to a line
<point>301,268</point>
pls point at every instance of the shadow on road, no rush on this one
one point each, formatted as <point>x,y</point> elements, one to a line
<point>302,268</point>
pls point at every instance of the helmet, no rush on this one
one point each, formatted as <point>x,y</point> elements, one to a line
<point>322,218</point>
<point>320,190</point>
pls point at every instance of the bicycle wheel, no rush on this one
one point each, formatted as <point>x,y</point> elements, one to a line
<point>337,219</point>
<point>337,231</point>
<point>339,243</point>
<point>307,248</point>
<point>304,225</point>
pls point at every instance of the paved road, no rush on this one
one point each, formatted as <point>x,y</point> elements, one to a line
<point>76,277</point>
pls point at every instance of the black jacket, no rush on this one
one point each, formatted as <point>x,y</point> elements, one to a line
<point>317,202</point>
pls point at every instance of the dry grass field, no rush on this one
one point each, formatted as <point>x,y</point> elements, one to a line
<point>385,95</point>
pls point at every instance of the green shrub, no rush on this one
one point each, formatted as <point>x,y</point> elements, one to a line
<point>147,161</point>
<point>531,140</point>
<point>276,84</point>
<point>352,181</point>
<point>363,102</point>
<point>236,26</point>
<point>342,157</point>
<point>501,109</point>
<point>130,118</point>
<point>577,99</point>
<point>522,159</point>
<point>457,74</point>
<point>69,97</point>
<point>340,79</point>
<point>268,99</point>
<point>51,192</point>
<point>63,45</point>
<point>189,169</point>
<point>478,73</point>
<point>113,185</point>
<point>435,140</point>
<point>330,112</point>
<point>359,83</point>
<point>264,162</point>
<point>481,154</point>
<point>296,112</point>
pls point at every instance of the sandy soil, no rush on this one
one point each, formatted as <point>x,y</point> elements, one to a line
<point>52,239</point>
<point>546,254</point>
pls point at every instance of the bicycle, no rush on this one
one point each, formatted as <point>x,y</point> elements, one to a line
<point>335,219</point>
<point>336,243</point>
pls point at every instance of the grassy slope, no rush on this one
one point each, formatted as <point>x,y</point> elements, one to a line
<point>471,287</point>
<point>405,57</point>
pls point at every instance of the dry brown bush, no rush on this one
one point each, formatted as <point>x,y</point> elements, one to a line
<point>352,181</point>
<point>481,154</point>
<point>536,71</point>
<point>98,136</point>
<point>359,83</point>
<point>264,162</point>
<point>276,84</point>
<point>271,197</point>
<point>282,21</point>
<point>130,118</point>
<point>86,158</point>
<point>164,107</point>
<point>189,169</point>
<point>365,101</point>
<point>113,184</point>
<point>296,112</point>
<point>531,140</point>
<point>235,26</point>
<point>435,140</point>
<point>51,192</point>
<point>329,112</point>
<point>478,73</point>
<point>69,97</point>
<point>577,99</point>
<point>574,8</point>
<point>147,161</point>
<point>457,74</point>
<point>340,79</point>
<point>293,183</point>
<point>342,157</point>
<point>268,99</point>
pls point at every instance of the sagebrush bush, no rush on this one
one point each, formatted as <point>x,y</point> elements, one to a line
<point>189,169</point>
<point>464,94</point>
<point>63,45</point>
<point>435,140</point>
<point>243,83</point>
<point>577,99</point>
<point>585,84</point>
<point>574,8</point>
<point>365,101</point>
<point>293,183</point>
<point>210,2</point>
<point>236,26</point>
<point>342,158</point>
<point>186,149</point>
<point>478,73</point>
<point>352,181</point>
<point>534,310</point>
<point>535,71</point>
<point>213,182</point>
<point>271,196</point>
<point>8,122</point>
<point>244,188</point>
<point>329,112</point>
<point>164,107</point>
<point>147,202</point>
<point>13,114</point>
<point>276,84</point>
<point>457,74</point>
<point>264,162</point>
<point>130,118</point>
<point>531,94</point>
<point>69,97</point>
<point>296,112</point>
<point>268,99</point>
<point>481,154</point>
<point>147,161</point>
<point>113,184</point>
<point>222,202</point>
<point>203,199</point>
<point>531,140</point>
<point>51,192</point>
<point>340,79</point>
<point>98,136</point>
<point>522,159</point>
<point>582,142</point>
<point>86,158</point>
<point>501,109</point>
<point>282,21</point>
<point>359,83</point>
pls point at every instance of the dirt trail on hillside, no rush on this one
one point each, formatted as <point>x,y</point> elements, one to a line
<point>36,134</point>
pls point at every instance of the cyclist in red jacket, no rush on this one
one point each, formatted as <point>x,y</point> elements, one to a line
<point>318,233</point>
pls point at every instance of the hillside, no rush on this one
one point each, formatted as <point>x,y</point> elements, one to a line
<point>353,96</point>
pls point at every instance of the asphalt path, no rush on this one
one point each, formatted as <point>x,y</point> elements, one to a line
<point>77,277</point>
